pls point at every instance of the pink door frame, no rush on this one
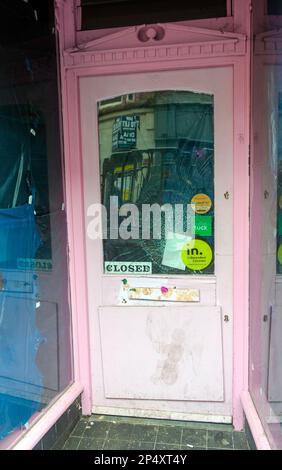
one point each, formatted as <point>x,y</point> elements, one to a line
<point>215,48</point>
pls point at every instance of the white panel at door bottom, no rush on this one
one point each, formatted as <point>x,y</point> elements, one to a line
<point>175,353</point>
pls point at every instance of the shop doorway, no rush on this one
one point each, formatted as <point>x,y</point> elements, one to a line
<point>160,308</point>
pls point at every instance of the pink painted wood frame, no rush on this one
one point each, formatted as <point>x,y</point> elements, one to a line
<point>214,49</point>
<point>267,51</point>
<point>254,422</point>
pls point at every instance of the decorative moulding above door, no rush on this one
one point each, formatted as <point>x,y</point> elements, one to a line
<point>269,42</point>
<point>160,42</point>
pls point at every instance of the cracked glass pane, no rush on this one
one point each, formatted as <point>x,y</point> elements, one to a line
<point>157,182</point>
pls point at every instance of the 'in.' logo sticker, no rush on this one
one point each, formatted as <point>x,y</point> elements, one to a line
<point>197,255</point>
<point>279,254</point>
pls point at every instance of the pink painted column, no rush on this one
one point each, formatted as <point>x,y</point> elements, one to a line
<point>65,18</point>
<point>242,23</point>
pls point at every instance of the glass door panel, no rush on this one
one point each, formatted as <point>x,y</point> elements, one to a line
<point>157,173</point>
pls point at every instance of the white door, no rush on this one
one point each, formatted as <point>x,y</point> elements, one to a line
<point>160,308</point>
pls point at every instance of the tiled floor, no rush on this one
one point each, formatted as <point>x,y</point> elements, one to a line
<point>120,433</point>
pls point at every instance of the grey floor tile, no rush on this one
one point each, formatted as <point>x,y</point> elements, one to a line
<point>72,443</point>
<point>161,446</point>
<point>100,432</point>
<point>220,448</point>
<point>59,445</point>
<point>218,427</point>
<point>205,426</point>
<point>194,437</point>
<point>144,433</point>
<point>121,431</point>
<point>105,418</point>
<point>97,430</point>
<point>140,445</point>
<point>169,435</point>
<point>116,444</point>
<point>79,429</point>
<point>220,440</point>
<point>87,443</point>
<point>183,447</point>
<point>240,441</point>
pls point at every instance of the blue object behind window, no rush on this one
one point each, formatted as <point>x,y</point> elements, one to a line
<point>20,379</point>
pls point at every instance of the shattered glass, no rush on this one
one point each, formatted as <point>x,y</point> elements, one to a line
<point>157,148</point>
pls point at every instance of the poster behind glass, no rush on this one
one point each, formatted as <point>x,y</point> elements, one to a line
<point>157,149</point>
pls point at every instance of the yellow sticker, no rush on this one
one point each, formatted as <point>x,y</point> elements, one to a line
<point>197,255</point>
<point>279,254</point>
<point>280,202</point>
<point>201,203</point>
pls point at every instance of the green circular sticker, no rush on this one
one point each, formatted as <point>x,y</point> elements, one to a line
<point>279,255</point>
<point>197,255</point>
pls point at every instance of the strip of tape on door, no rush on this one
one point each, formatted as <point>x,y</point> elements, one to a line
<point>152,290</point>
<point>164,294</point>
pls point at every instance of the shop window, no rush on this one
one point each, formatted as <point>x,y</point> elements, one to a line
<point>274,7</point>
<point>115,13</point>
<point>35,317</point>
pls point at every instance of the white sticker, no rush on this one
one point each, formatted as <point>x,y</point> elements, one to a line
<point>128,268</point>
<point>172,252</point>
